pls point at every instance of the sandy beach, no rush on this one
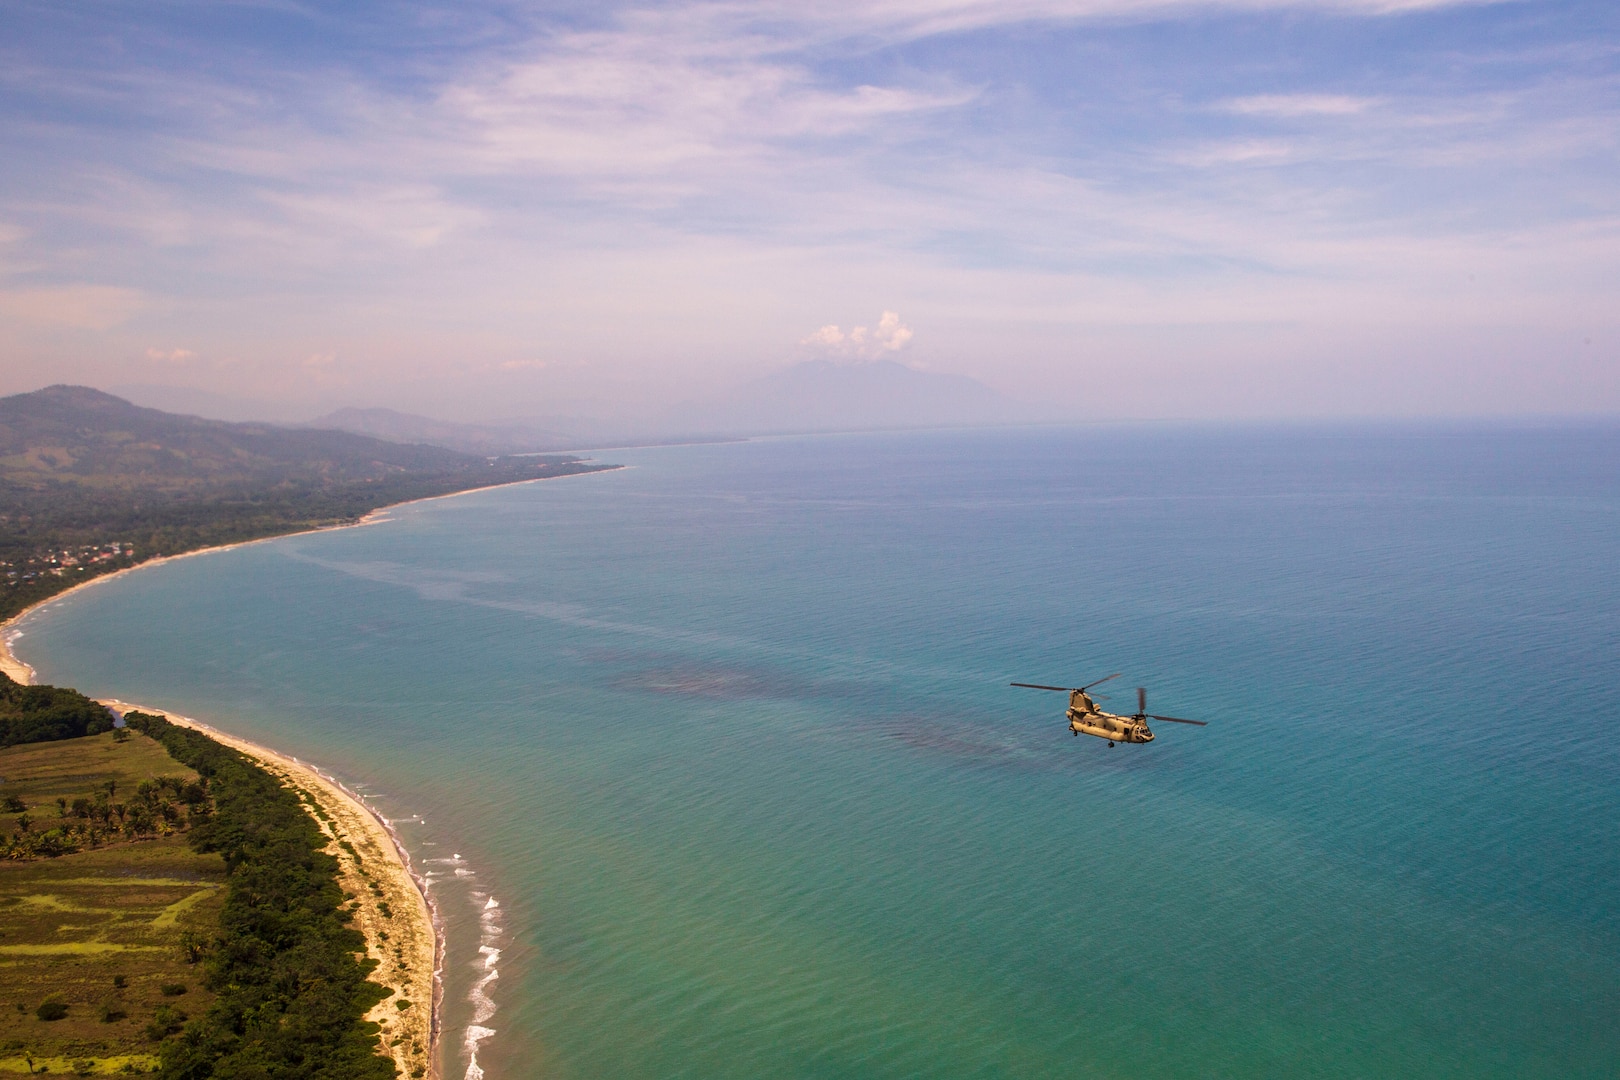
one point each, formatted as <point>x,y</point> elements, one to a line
<point>394,913</point>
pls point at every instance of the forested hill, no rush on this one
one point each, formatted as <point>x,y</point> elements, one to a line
<point>91,483</point>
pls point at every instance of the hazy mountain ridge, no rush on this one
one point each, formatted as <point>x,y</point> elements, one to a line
<point>78,435</point>
<point>819,395</point>
<point>812,396</point>
<point>495,437</point>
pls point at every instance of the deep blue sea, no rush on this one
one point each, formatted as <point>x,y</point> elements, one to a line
<point>727,739</point>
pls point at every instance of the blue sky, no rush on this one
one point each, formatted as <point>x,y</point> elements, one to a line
<point>1123,208</point>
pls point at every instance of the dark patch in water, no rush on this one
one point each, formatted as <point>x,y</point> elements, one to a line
<point>666,673</point>
<point>973,744</point>
<point>714,683</point>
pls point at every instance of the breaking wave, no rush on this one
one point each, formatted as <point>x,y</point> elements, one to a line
<point>490,932</point>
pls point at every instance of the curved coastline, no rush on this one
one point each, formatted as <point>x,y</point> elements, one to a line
<point>305,775</point>
<point>22,672</point>
<point>359,828</point>
<point>295,770</point>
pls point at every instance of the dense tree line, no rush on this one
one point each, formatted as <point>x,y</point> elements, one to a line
<point>292,995</point>
<point>47,713</point>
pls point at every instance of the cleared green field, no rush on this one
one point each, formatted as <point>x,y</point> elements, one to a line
<point>37,774</point>
<point>104,931</point>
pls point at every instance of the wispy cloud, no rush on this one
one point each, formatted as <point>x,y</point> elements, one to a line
<point>913,19</point>
<point>1298,105</point>
<point>640,100</point>
<point>411,216</point>
<point>1042,165</point>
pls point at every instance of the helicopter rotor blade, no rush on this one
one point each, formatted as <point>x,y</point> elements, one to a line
<point>1099,682</point>
<point>1141,701</point>
<point>1179,720</point>
<point>1038,686</point>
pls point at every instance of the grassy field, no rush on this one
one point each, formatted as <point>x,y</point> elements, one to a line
<point>103,932</point>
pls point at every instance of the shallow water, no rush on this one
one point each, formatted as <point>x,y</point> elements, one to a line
<point>727,738</point>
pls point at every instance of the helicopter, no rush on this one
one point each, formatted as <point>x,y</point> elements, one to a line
<point>1086,718</point>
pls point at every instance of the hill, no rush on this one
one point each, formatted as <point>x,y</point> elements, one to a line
<point>91,483</point>
<point>79,436</point>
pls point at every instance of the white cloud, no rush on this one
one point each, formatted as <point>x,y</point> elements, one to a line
<point>862,343</point>
<point>170,356</point>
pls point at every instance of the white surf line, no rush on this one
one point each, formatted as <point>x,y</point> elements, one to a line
<point>424,886</point>
<point>13,665</point>
<point>490,933</point>
<point>434,917</point>
<point>484,1008</point>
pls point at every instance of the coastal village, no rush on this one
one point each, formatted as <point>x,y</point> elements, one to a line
<point>63,562</point>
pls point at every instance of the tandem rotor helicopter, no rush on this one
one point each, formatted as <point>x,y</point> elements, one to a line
<point>1086,719</point>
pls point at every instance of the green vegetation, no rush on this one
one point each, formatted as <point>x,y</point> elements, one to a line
<point>30,714</point>
<point>87,792</point>
<point>290,994</point>
<point>91,484</point>
<point>214,944</point>
<point>85,948</point>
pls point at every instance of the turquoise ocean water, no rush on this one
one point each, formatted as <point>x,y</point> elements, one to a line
<point>726,738</point>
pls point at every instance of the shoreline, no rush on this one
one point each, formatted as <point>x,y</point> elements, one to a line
<point>22,672</point>
<point>367,822</point>
<point>417,972</point>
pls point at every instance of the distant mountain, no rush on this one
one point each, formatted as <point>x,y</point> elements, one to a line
<point>819,395</point>
<point>501,437</point>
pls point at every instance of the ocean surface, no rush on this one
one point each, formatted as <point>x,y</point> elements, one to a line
<point>717,770</point>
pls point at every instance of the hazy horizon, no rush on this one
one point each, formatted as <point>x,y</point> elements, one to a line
<point>1101,209</point>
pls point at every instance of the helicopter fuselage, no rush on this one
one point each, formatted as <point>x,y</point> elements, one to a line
<point>1086,719</point>
<point>1109,726</point>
